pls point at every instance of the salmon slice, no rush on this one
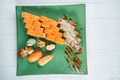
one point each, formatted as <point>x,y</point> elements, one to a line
<point>35,56</point>
<point>36,24</point>
<point>42,35</point>
<point>30,27</point>
<point>50,37</point>
<point>26,15</point>
<point>48,31</point>
<point>59,40</point>
<point>57,34</point>
<point>27,26</point>
<point>31,32</point>
<point>45,24</point>
<point>34,18</point>
<point>55,29</point>
<point>43,18</point>
<point>53,23</point>
<point>47,21</point>
<point>39,33</point>
<point>38,29</point>
<point>28,21</point>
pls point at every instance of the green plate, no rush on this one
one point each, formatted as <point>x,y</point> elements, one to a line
<point>58,65</point>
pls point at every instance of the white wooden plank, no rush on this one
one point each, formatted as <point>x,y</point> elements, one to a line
<point>8,1</point>
<point>8,73</point>
<point>55,77</point>
<point>103,1</point>
<point>103,42</point>
<point>8,42</point>
<point>95,73</point>
<point>103,58</point>
<point>115,78</point>
<point>100,10</point>
<point>48,1</point>
<point>8,17</point>
<point>8,26</point>
<point>8,58</point>
<point>103,10</point>
<point>103,72</point>
<point>103,26</point>
<point>68,1</point>
<point>7,10</point>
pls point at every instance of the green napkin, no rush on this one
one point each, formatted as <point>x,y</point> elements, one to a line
<point>58,65</point>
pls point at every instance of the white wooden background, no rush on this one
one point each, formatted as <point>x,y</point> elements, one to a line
<point>103,40</point>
